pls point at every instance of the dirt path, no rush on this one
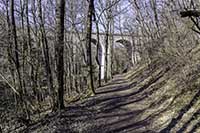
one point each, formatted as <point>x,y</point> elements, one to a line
<point>117,107</point>
<point>141,101</point>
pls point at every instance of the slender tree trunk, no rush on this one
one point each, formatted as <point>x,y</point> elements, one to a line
<point>16,50</point>
<point>111,46</point>
<point>59,47</point>
<point>98,59</point>
<point>24,43</point>
<point>88,42</point>
<point>23,103</point>
<point>107,43</point>
<point>9,49</point>
<point>45,49</point>
<point>31,73</point>
<point>37,62</point>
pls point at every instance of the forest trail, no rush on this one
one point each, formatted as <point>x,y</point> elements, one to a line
<point>150,98</point>
<point>53,55</point>
<point>138,101</point>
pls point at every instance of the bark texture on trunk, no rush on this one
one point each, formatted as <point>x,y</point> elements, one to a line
<point>59,47</point>
<point>88,42</point>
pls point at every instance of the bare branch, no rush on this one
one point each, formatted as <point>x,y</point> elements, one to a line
<point>12,87</point>
<point>190,13</point>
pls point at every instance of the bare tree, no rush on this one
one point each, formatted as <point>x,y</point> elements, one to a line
<point>89,43</point>
<point>59,49</point>
<point>19,82</point>
<point>45,49</point>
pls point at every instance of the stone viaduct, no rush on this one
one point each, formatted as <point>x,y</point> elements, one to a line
<point>116,40</point>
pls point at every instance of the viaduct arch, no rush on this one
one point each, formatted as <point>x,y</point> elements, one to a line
<point>127,41</point>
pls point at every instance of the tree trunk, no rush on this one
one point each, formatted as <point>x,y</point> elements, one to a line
<point>99,52</point>
<point>31,73</point>
<point>88,42</point>
<point>45,49</point>
<point>16,50</point>
<point>108,74</point>
<point>19,79</point>
<point>59,49</point>
<point>107,47</point>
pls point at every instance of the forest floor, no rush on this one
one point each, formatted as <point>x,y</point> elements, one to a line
<point>150,98</point>
<point>158,97</point>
